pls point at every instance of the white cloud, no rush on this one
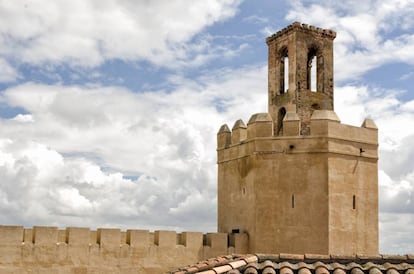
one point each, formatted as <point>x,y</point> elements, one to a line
<point>256,19</point>
<point>99,136</point>
<point>8,72</point>
<point>87,33</point>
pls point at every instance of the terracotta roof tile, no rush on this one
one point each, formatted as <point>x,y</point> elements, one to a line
<point>269,270</point>
<point>304,270</point>
<point>207,272</point>
<point>286,270</point>
<point>222,269</point>
<point>302,264</point>
<point>339,271</point>
<point>250,270</point>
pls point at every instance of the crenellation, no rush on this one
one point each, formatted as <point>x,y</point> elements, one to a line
<point>239,132</point>
<point>291,124</point>
<point>109,237</point>
<point>217,241</point>
<point>260,125</point>
<point>192,240</point>
<point>78,236</point>
<point>165,238</point>
<point>325,126</point>
<point>11,235</point>
<point>45,235</point>
<point>302,27</point>
<point>240,243</point>
<point>138,238</point>
<point>369,123</point>
<point>112,249</point>
<point>223,137</point>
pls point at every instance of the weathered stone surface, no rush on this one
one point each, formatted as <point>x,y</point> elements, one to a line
<point>310,184</point>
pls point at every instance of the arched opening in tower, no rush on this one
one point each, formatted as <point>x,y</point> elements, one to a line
<point>284,71</point>
<point>312,70</point>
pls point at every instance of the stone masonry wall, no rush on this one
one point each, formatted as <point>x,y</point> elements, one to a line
<point>83,251</point>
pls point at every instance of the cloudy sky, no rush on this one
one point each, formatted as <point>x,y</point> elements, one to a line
<point>109,109</point>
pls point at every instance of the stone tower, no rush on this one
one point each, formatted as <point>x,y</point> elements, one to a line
<point>295,179</point>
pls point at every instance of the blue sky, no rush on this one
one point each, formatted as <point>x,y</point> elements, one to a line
<point>107,103</point>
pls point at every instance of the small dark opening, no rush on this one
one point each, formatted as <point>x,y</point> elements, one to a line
<point>353,202</point>
<point>236,230</point>
<point>315,106</point>
<point>282,113</point>
<point>293,200</point>
<point>291,146</point>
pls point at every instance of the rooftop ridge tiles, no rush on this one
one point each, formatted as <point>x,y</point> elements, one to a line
<point>320,264</point>
<point>309,256</point>
<point>287,256</point>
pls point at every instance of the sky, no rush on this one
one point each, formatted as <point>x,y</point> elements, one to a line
<point>109,109</point>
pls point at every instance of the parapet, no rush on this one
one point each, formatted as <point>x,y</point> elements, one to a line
<point>297,26</point>
<point>40,244</point>
<point>327,123</point>
<point>323,124</point>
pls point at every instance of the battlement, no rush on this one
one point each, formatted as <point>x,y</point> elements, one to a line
<point>324,124</point>
<point>297,26</point>
<point>74,247</point>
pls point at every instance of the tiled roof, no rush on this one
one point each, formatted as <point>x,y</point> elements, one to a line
<point>302,264</point>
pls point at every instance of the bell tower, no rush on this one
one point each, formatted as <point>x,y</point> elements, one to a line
<point>300,76</point>
<point>296,179</point>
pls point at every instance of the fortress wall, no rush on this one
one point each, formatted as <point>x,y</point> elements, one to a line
<point>81,250</point>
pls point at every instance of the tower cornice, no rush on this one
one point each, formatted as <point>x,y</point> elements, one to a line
<point>297,26</point>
